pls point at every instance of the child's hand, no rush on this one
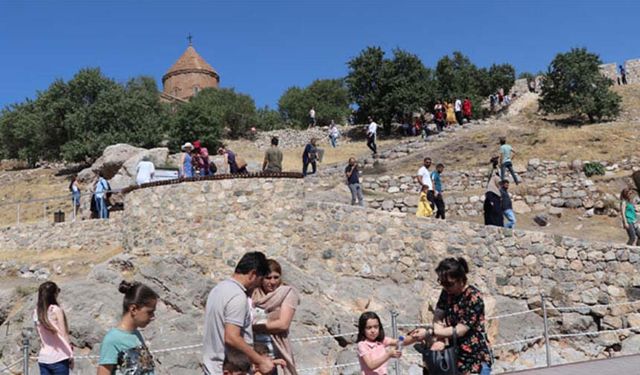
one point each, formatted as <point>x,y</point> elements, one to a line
<point>437,346</point>
<point>393,353</point>
<point>280,362</point>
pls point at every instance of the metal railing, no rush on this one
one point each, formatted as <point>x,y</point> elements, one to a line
<point>545,337</point>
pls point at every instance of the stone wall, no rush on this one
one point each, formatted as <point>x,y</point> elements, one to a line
<point>610,71</point>
<point>210,215</point>
<point>549,184</point>
<point>632,67</point>
<point>345,260</point>
<point>633,70</point>
<point>86,235</point>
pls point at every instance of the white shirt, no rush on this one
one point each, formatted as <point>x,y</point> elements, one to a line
<point>145,170</point>
<point>458,105</point>
<point>425,176</point>
<point>373,128</point>
<point>312,113</point>
<point>333,131</point>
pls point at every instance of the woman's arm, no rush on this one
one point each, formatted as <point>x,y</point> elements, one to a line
<point>374,363</point>
<point>105,369</point>
<point>63,326</point>
<point>446,332</point>
<point>283,322</point>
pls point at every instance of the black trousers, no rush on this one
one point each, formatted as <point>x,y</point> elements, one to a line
<point>440,206</point>
<point>371,143</point>
<point>305,167</point>
<point>459,117</point>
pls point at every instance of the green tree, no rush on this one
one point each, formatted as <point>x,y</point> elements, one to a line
<point>268,119</point>
<point>574,85</point>
<point>329,98</point>
<point>366,82</point>
<point>212,114</point>
<point>501,76</point>
<point>388,88</point>
<point>76,120</point>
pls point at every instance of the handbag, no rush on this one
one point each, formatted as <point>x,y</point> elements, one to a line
<point>442,362</point>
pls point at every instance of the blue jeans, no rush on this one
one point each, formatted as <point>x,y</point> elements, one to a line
<point>508,165</point>
<point>511,218</point>
<point>58,368</point>
<point>101,205</point>
<point>486,369</point>
<point>333,141</point>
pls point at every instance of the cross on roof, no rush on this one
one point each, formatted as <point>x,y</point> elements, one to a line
<point>189,38</point>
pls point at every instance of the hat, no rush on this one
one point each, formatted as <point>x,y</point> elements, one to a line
<point>187,145</point>
<point>196,144</point>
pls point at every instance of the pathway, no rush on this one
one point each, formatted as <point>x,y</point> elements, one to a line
<point>615,366</point>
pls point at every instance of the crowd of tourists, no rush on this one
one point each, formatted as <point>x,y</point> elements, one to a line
<point>247,323</point>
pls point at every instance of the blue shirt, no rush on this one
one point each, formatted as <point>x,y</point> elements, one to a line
<point>435,177</point>
<point>127,352</point>
<point>505,150</point>
<point>101,187</point>
<point>187,167</point>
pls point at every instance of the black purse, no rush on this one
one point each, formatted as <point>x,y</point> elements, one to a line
<point>442,362</point>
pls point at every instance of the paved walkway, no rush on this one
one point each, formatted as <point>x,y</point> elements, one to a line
<point>616,366</point>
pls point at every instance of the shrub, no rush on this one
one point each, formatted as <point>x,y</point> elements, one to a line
<point>593,168</point>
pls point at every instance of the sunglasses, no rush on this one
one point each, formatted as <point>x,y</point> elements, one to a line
<point>446,283</point>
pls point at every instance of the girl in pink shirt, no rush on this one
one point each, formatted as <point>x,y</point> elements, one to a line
<point>56,353</point>
<point>374,349</point>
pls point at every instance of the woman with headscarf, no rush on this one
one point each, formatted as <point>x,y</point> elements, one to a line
<point>493,214</point>
<point>275,304</point>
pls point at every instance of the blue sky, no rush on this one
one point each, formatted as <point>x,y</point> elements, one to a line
<point>262,47</point>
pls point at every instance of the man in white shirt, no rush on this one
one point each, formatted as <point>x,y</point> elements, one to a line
<point>457,107</point>
<point>145,171</point>
<point>372,132</point>
<point>424,179</point>
<point>312,117</point>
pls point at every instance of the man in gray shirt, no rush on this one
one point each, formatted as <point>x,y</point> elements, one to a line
<point>228,316</point>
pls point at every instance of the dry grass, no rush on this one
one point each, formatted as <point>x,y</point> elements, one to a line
<point>535,136</point>
<point>29,185</point>
<point>292,157</point>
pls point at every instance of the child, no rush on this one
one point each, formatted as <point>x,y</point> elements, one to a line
<point>264,351</point>
<point>123,350</point>
<point>629,221</point>
<point>374,349</point>
<point>56,354</point>
<point>235,363</point>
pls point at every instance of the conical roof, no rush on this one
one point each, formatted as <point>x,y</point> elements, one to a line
<point>190,62</point>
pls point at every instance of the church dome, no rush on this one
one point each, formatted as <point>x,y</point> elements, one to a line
<point>190,74</point>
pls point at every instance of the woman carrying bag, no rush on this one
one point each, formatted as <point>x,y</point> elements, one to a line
<point>459,318</point>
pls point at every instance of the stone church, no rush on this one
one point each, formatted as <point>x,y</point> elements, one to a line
<point>190,74</point>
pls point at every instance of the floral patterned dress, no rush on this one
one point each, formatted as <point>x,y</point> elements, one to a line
<point>468,309</point>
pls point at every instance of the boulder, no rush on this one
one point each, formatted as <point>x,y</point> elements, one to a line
<point>520,207</point>
<point>112,159</point>
<point>555,211</point>
<point>126,175</point>
<point>541,220</point>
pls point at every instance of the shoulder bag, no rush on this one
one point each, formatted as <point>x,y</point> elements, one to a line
<point>442,362</point>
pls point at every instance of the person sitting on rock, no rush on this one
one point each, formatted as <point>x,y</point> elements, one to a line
<point>273,158</point>
<point>236,164</point>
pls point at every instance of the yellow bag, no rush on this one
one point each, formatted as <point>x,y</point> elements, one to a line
<point>424,206</point>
